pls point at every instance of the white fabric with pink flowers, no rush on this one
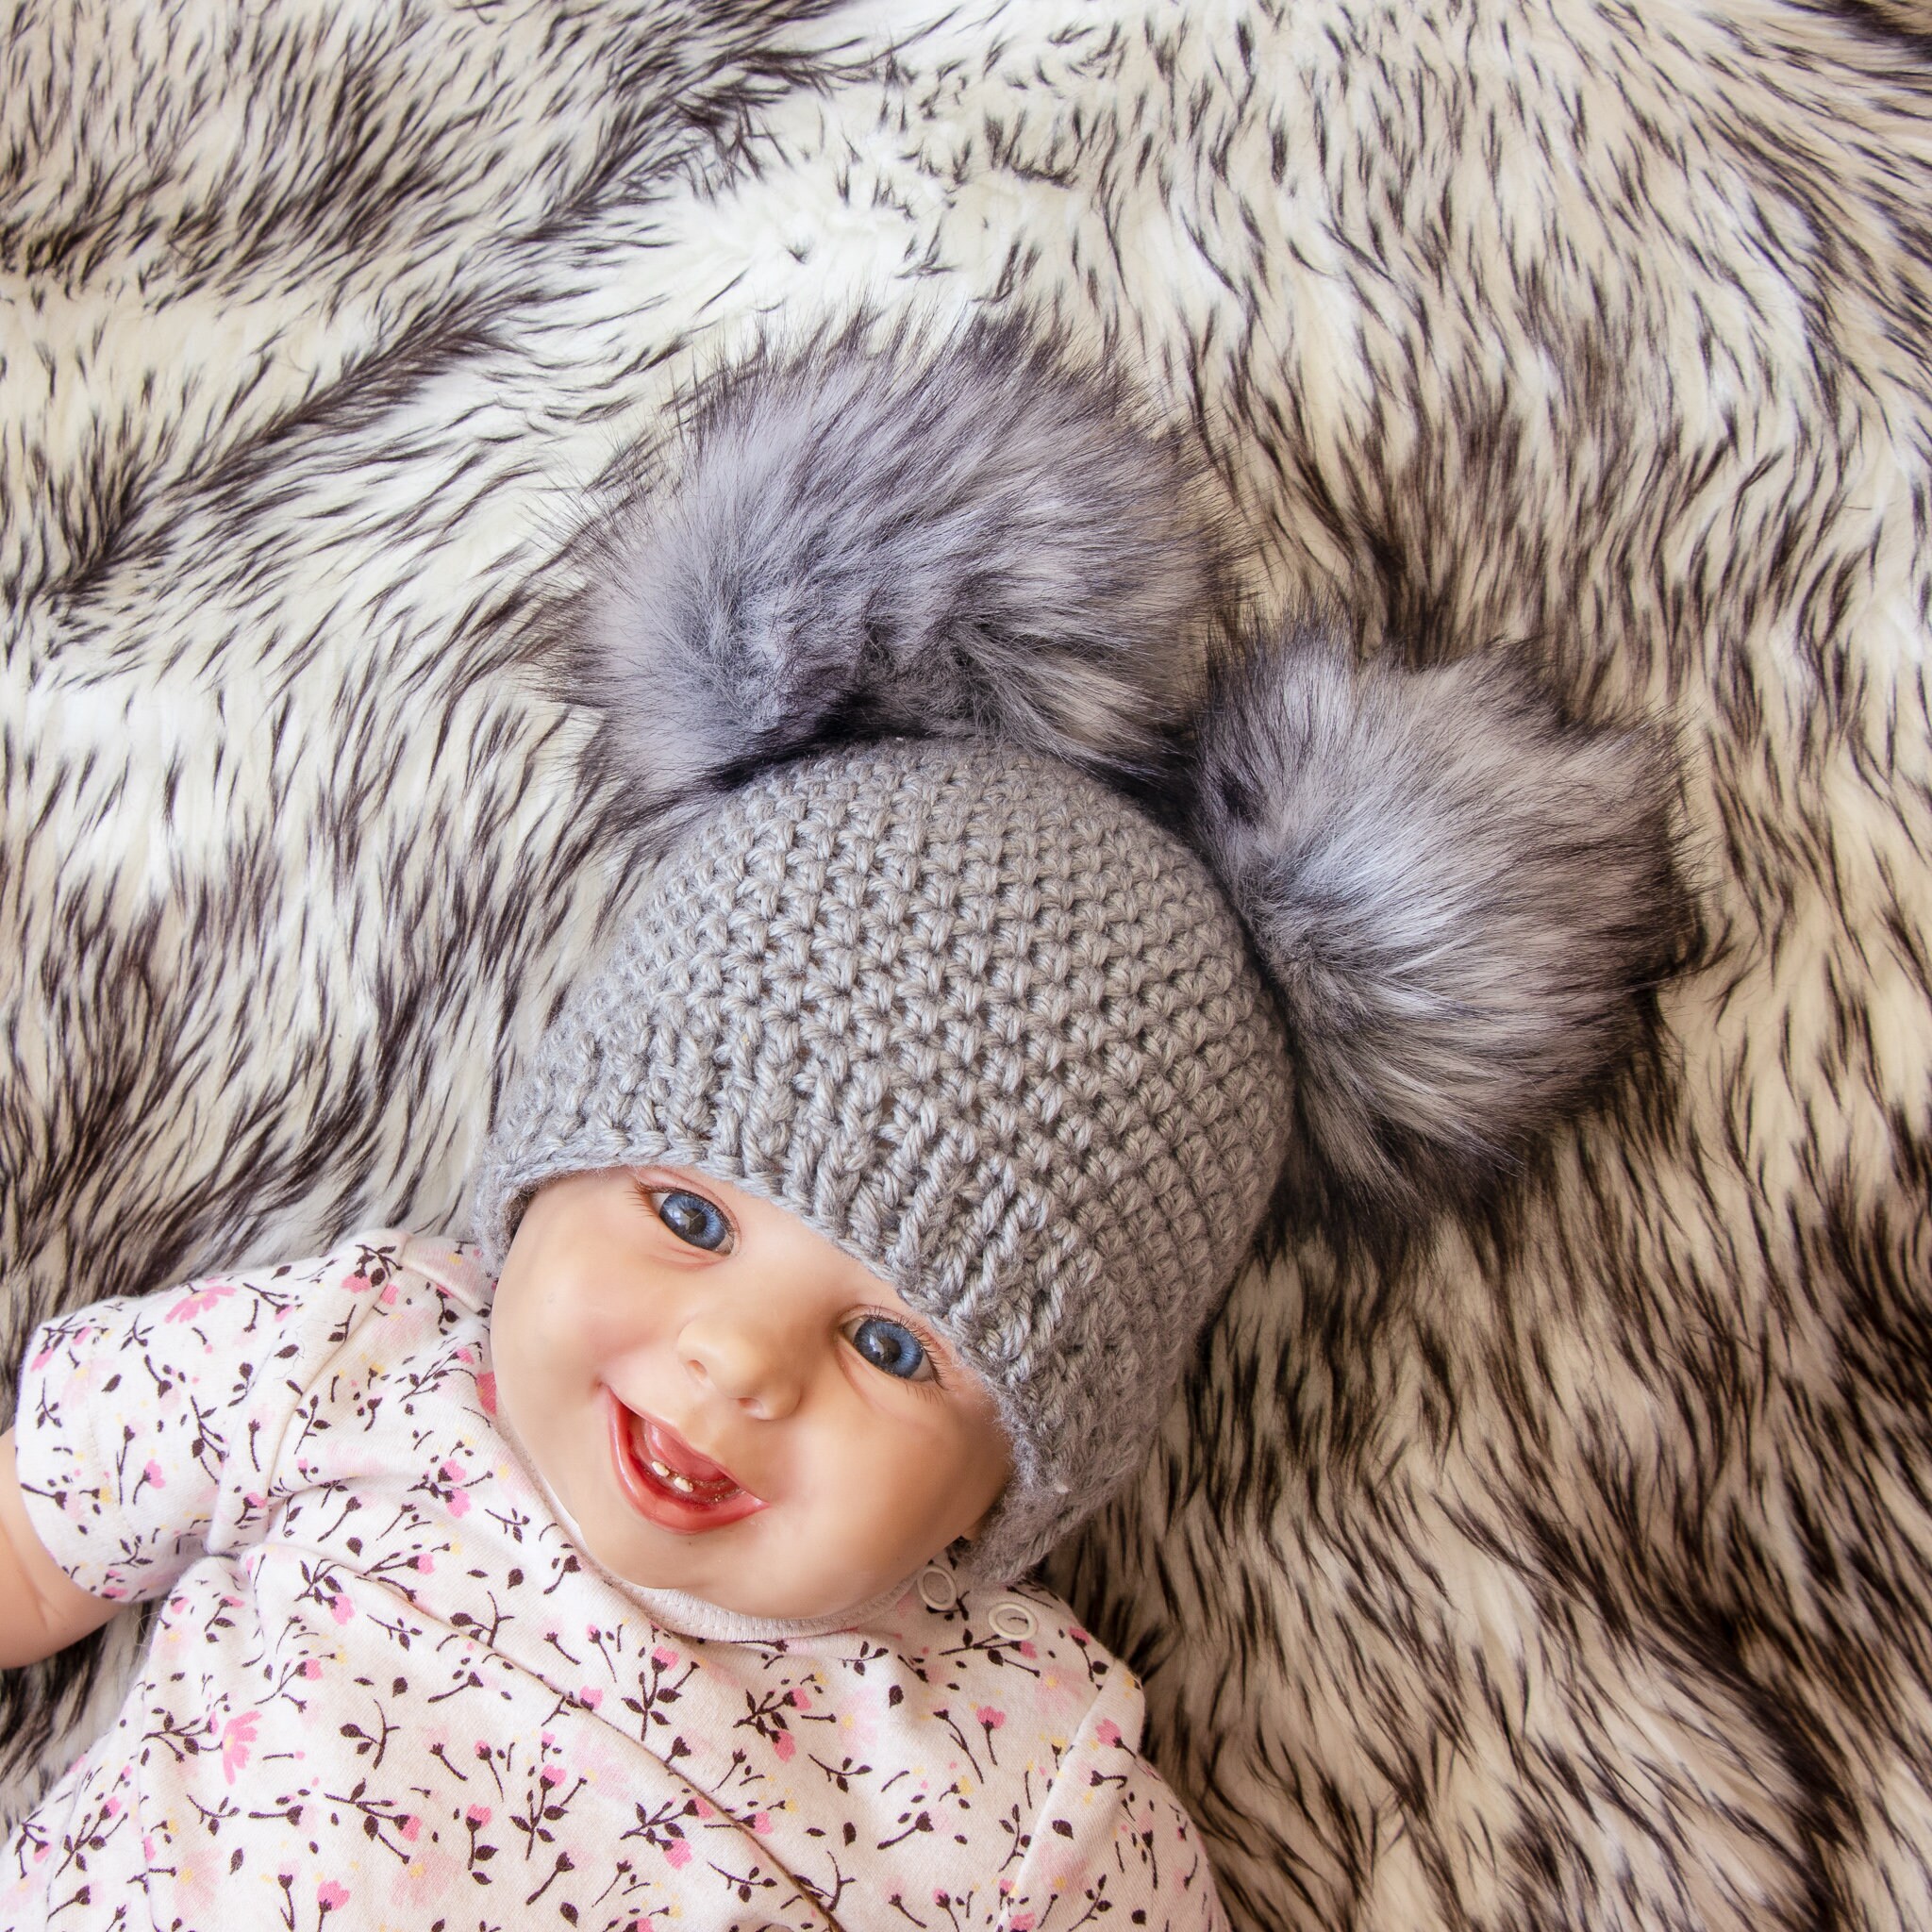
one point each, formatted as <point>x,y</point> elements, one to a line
<point>384,1690</point>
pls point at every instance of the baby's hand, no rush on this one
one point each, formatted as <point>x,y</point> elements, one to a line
<point>42,1609</point>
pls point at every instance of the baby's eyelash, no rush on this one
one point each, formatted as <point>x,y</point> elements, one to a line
<point>940,1369</point>
<point>652,1193</point>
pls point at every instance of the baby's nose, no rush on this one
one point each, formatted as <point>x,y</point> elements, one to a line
<point>744,1356</point>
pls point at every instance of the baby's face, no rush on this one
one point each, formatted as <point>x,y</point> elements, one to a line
<point>727,1403</point>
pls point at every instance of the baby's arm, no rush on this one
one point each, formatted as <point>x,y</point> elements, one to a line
<point>42,1609</point>
<point>1111,1833</point>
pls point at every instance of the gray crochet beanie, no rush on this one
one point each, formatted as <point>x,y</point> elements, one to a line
<point>978,1021</point>
<point>879,674</point>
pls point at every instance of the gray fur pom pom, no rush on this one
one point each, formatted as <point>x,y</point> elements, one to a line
<point>1463,901</point>
<point>961,538</point>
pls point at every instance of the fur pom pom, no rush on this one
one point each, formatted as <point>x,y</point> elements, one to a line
<point>961,539</point>
<point>1462,900</point>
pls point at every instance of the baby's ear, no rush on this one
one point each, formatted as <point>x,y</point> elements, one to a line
<point>959,538</point>
<point>1464,901</point>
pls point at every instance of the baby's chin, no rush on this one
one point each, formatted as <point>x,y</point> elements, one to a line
<point>738,1569</point>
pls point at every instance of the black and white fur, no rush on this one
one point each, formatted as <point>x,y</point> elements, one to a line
<point>1567,1569</point>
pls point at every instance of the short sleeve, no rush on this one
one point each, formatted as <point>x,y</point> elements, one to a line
<point>1111,1840</point>
<point>146,1429</point>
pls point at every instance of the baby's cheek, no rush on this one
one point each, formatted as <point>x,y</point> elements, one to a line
<point>596,1330</point>
<point>946,1494</point>
<point>525,1377</point>
<point>980,1465</point>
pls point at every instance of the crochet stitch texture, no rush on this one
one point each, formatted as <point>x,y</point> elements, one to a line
<point>979,1022</point>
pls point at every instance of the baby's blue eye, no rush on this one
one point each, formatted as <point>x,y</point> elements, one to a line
<point>893,1347</point>
<point>692,1218</point>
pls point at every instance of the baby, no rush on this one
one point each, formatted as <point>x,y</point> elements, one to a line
<point>853,1222</point>
<point>660,1559</point>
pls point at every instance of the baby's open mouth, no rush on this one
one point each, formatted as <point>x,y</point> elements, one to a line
<point>677,1466</point>
<point>667,1480</point>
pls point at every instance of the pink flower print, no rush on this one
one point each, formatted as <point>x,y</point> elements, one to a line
<point>482,1747</point>
<point>485,1390</point>
<point>254,1501</point>
<point>47,1846</point>
<point>662,1657</point>
<point>199,1303</point>
<point>1107,1731</point>
<point>784,1744</point>
<point>411,1828</point>
<point>356,1284</point>
<point>679,1852</point>
<point>459,1502</point>
<point>762,1821</point>
<point>114,1807</point>
<point>330,1896</point>
<point>859,1719</point>
<point>155,1475</point>
<point>478,1814</point>
<point>426,1564</point>
<point>589,1697</point>
<point>990,1718</point>
<point>311,1667</point>
<point>703,1807</point>
<point>343,1610</point>
<point>552,1773</point>
<point>1020,1922</point>
<point>798,1700</point>
<point>1029,1649</point>
<point>388,1297</point>
<point>40,1361</point>
<point>236,1736</point>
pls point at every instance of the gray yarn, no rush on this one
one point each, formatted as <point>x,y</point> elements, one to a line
<point>981,1023</point>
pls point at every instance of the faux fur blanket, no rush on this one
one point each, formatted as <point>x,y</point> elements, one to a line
<point>1573,1571</point>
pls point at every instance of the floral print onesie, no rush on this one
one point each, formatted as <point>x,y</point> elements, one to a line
<point>384,1688</point>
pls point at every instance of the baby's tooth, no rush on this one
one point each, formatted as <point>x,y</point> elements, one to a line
<point>682,1484</point>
